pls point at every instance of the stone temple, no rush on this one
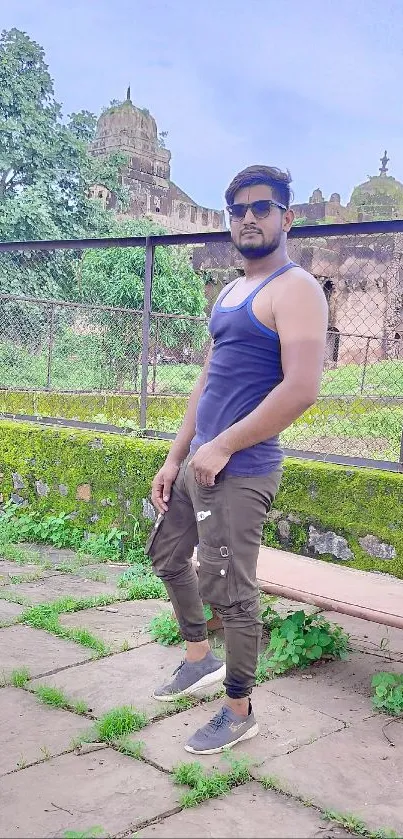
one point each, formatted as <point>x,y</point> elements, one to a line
<point>133,131</point>
<point>361,275</point>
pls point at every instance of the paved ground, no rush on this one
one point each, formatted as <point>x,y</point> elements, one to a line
<point>321,745</point>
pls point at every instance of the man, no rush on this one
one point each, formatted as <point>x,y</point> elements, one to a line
<point>216,487</point>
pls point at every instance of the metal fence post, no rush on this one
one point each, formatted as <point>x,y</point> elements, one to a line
<point>364,369</point>
<point>50,346</point>
<point>148,280</point>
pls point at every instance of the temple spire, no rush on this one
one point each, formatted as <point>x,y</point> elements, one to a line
<point>384,160</point>
<point>128,97</point>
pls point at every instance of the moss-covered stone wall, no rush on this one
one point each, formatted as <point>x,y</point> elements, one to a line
<point>161,410</point>
<point>351,515</point>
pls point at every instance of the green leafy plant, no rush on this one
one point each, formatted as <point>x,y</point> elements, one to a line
<point>119,722</point>
<point>388,693</point>
<point>165,629</point>
<point>205,785</point>
<point>299,639</point>
<point>107,545</point>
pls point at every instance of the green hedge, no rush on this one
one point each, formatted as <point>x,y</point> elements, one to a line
<point>351,502</point>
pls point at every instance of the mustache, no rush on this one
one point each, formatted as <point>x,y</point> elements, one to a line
<point>250,228</point>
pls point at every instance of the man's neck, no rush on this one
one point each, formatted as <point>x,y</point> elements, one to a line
<point>267,265</point>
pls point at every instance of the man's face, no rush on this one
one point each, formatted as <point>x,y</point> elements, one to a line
<point>254,237</point>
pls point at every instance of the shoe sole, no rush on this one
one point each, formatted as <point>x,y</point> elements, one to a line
<point>206,681</point>
<point>251,732</point>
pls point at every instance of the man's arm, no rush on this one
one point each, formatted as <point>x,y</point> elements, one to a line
<point>162,483</point>
<point>301,314</point>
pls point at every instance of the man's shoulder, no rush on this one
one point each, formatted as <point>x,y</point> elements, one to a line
<point>298,278</point>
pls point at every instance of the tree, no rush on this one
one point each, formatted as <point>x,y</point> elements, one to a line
<point>45,174</point>
<point>38,152</point>
<point>115,277</point>
<point>83,124</point>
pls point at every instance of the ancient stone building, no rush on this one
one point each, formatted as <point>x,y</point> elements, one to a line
<point>362,275</point>
<point>133,131</point>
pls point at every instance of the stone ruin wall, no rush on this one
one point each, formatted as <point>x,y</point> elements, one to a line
<point>363,281</point>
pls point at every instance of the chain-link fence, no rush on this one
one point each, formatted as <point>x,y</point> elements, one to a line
<point>156,348</point>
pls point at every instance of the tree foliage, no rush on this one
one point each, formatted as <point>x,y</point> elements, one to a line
<point>115,277</point>
<point>45,166</point>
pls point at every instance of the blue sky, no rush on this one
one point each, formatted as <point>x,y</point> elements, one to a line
<point>314,86</point>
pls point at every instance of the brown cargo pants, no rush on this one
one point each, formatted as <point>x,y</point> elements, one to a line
<point>226,521</point>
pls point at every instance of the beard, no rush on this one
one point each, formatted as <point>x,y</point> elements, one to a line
<point>258,250</point>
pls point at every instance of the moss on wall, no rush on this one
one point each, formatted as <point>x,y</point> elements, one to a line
<point>117,470</point>
<point>162,411</point>
<point>351,502</point>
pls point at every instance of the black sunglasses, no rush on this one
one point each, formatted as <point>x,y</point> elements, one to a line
<point>260,209</point>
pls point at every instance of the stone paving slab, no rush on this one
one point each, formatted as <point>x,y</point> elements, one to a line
<point>247,811</point>
<point>352,677</point>
<point>76,793</point>
<point>370,637</point>
<point>8,611</point>
<point>339,688</point>
<point>122,679</point>
<point>63,585</point>
<point>40,652</point>
<point>32,731</point>
<point>111,570</point>
<point>284,725</point>
<point>48,553</point>
<point>16,569</point>
<point>119,623</point>
<point>352,771</point>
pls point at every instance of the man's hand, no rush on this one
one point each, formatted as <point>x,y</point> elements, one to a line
<point>162,485</point>
<point>208,461</point>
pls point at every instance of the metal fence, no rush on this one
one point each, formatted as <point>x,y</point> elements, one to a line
<point>81,347</point>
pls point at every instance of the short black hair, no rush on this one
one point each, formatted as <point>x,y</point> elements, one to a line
<point>277,180</point>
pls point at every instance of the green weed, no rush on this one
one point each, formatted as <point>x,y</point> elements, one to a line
<point>19,678</point>
<point>299,639</point>
<point>120,722</point>
<point>31,577</point>
<point>46,616</point>
<point>142,586</point>
<point>388,695</point>
<point>57,699</point>
<point>131,748</point>
<point>354,824</point>
<point>165,629</point>
<point>205,785</point>
<point>274,783</point>
<point>22,556</point>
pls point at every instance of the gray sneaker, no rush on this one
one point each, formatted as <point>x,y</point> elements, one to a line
<point>222,732</point>
<point>192,676</point>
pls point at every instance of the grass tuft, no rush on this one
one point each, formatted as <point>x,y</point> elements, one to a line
<point>19,678</point>
<point>119,722</point>
<point>204,786</point>
<point>57,699</point>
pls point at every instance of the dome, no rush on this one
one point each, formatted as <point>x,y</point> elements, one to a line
<point>127,119</point>
<point>380,197</point>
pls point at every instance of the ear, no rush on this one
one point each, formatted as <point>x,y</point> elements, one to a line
<point>288,219</point>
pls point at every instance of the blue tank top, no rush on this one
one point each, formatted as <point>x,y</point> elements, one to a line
<point>245,366</point>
